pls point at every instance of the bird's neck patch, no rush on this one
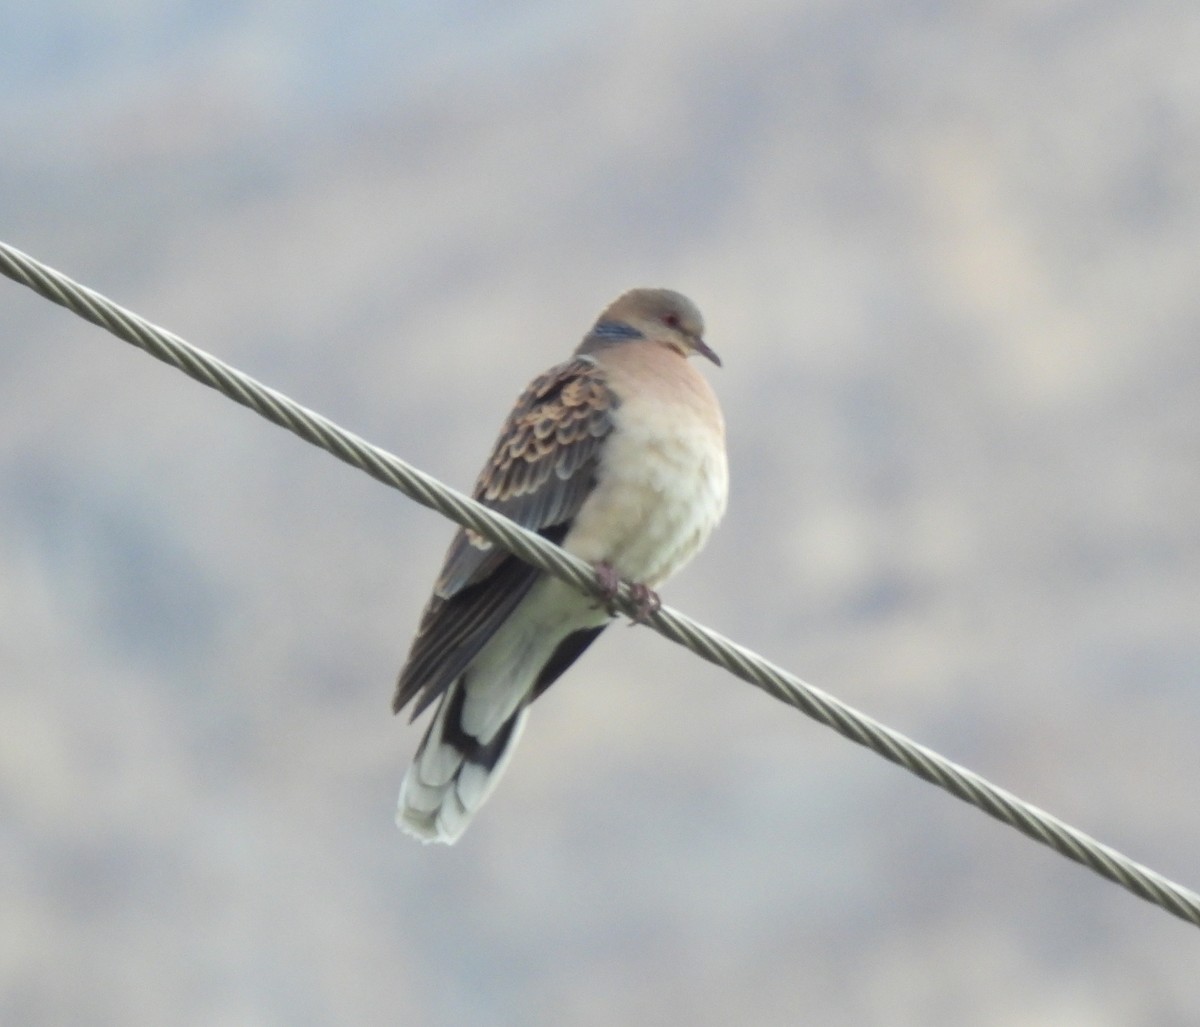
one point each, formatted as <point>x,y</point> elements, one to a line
<point>614,330</point>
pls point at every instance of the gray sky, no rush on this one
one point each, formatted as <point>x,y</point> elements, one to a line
<point>948,257</point>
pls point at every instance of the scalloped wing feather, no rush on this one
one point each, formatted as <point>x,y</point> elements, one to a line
<point>539,474</point>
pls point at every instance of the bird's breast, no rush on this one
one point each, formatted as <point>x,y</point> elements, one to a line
<point>661,486</point>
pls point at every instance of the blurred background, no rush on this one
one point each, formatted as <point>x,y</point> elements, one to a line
<point>949,255</point>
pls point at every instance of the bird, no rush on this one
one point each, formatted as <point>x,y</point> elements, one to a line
<point>617,455</point>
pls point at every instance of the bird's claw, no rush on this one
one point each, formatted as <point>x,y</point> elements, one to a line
<point>648,603</point>
<point>609,584</point>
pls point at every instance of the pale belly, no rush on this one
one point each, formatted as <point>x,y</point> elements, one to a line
<point>662,491</point>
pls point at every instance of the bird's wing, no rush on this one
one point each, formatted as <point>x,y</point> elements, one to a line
<point>540,472</point>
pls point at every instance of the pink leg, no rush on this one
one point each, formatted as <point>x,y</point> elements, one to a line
<point>608,583</point>
<point>648,602</point>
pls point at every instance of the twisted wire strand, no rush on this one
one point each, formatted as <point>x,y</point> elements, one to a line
<point>960,782</point>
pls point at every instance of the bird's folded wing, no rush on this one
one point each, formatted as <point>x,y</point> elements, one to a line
<point>540,472</point>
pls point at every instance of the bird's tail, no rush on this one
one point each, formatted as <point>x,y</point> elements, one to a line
<point>453,772</point>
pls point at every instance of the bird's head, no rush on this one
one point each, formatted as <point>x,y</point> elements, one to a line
<point>659,315</point>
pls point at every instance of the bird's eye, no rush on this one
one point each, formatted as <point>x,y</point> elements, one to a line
<point>671,320</point>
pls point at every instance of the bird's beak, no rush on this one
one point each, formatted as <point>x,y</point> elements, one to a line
<point>702,347</point>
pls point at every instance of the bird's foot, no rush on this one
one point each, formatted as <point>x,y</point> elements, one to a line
<point>648,603</point>
<point>609,583</point>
